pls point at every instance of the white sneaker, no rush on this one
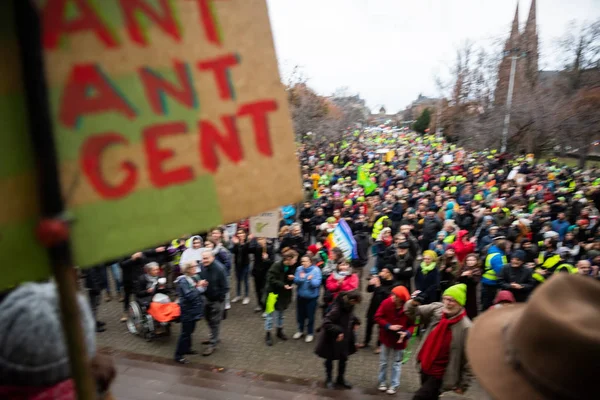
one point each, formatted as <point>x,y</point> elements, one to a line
<point>264,315</point>
<point>391,390</point>
<point>382,387</point>
<point>309,338</point>
<point>235,299</point>
<point>297,335</point>
<point>246,300</point>
<point>227,306</point>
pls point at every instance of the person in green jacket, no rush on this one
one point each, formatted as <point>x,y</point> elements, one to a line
<point>280,281</point>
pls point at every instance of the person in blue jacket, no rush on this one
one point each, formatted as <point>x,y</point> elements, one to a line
<point>308,280</point>
<point>191,302</point>
<point>494,261</point>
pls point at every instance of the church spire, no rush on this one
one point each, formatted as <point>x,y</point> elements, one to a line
<point>531,21</point>
<point>513,40</point>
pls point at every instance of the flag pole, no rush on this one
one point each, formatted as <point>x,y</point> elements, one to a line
<point>52,230</point>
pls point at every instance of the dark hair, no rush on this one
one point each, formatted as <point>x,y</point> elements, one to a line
<point>289,254</point>
<point>353,295</point>
<point>503,245</point>
<point>343,260</point>
<point>338,252</point>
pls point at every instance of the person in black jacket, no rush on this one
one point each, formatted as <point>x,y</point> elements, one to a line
<point>132,269</point>
<point>191,304</point>
<point>381,286</point>
<point>217,287</point>
<point>363,244</point>
<point>402,265</point>
<point>517,278</point>
<point>264,256</point>
<point>431,226</point>
<point>295,241</point>
<point>464,219</point>
<point>413,248</point>
<point>306,215</point>
<point>147,285</point>
<point>316,221</point>
<point>93,284</point>
<point>337,339</point>
<point>241,253</point>
<point>396,215</point>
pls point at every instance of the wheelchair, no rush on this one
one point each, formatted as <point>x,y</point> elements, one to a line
<point>142,324</point>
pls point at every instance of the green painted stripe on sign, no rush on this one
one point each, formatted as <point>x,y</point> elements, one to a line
<point>113,229</point>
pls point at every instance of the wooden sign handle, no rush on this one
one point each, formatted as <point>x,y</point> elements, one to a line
<point>52,231</point>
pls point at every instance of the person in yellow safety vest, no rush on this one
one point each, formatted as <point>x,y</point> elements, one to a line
<point>177,248</point>
<point>494,261</point>
<point>563,265</point>
<point>379,225</point>
<point>547,262</point>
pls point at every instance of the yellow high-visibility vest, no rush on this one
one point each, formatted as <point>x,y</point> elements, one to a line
<point>378,227</point>
<point>488,272</point>
<point>546,263</point>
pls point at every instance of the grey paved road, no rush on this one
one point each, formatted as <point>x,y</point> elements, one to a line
<point>243,348</point>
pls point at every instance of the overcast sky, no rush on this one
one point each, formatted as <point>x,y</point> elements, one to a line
<point>389,51</point>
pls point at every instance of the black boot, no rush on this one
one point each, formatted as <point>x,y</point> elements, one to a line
<point>280,334</point>
<point>343,383</point>
<point>341,372</point>
<point>329,372</point>
<point>269,339</point>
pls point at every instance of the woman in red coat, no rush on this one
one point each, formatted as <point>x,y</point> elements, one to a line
<point>463,245</point>
<point>395,329</point>
<point>342,280</point>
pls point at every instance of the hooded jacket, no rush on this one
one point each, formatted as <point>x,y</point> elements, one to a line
<point>496,263</point>
<point>387,315</point>
<point>463,249</point>
<point>191,254</point>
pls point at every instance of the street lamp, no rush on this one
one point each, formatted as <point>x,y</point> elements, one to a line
<point>515,53</point>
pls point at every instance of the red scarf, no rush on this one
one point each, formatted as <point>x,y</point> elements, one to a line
<point>387,241</point>
<point>433,344</point>
<point>64,390</point>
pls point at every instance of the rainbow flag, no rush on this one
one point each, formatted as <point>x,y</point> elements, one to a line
<point>342,237</point>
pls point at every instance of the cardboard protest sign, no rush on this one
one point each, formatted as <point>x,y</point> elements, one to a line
<point>266,224</point>
<point>169,118</point>
<point>21,256</point>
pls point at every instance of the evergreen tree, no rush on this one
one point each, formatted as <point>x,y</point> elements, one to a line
<point>422,122</point>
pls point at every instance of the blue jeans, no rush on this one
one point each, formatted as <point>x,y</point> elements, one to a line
<point>184,344</point>
<point>305,310</point>
<point>242,275</point>
<point>396,355</point>
<point>278,315</point>
<point>115,269</point>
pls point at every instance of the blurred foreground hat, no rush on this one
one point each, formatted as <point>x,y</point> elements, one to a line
<point>545,349</point>
<point>33,351</point>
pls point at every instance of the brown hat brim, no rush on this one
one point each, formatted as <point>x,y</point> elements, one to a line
<point>487,355</point>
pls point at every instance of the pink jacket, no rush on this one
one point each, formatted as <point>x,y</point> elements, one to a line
<point>349,283</point>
